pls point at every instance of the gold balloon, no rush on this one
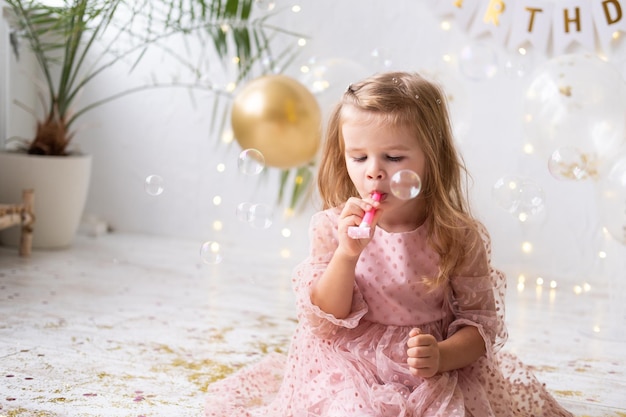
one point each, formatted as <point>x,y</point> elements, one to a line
<point>279,117</point>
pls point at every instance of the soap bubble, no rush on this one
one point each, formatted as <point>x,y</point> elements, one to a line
<point>520,197</point>
<point>531,202</point>
<point>518,65</point>
<point>251,162</point>
<point>382,58</point>
<point>154,185</point>
<point>266,5</point>
<point>328,78</point>
<point>569,163</point>
<point>505,192</point>
<point>405,184</point>
<point>260,216</point>
<point>243,211</point>
<point>210,252</point>
<point>478,62</point>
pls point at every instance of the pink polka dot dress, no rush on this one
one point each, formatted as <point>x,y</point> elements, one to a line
<point>357,366</point>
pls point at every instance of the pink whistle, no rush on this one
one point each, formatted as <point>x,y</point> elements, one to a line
<point>362,231</point>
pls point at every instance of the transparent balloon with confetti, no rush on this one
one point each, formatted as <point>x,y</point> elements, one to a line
<point>612,198</point>
<point>608,320</point>
<point>575,101</point>
<point>570,163</point>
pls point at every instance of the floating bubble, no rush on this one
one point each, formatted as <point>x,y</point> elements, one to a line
<point>381,58</point>
<point>330,76</point>
<point>506,191</point>
<point>570,163</point>
<point>210,252</point>
<point>260,216</point>
<point>531,201</point>
<point>405,184</point>
<point>251,162</point>
<point>154,185</point>
<point>520,197</point>
<point>518,65</point>
<point>243,211</point>
<point>478,62</point>
<point>267,5</point>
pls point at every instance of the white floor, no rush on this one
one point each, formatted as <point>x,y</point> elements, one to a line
<point>132,326</point>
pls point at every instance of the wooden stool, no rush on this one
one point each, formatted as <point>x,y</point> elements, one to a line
<point>22,214</point>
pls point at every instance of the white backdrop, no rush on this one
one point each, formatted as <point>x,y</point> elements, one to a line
<point>167,134</point>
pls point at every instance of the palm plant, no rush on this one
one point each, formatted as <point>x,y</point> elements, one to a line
<point>75,41</point>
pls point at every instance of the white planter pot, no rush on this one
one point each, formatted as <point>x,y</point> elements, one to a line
<point>61,184</point>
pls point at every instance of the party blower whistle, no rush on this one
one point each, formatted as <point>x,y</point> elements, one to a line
<point>362,231</point>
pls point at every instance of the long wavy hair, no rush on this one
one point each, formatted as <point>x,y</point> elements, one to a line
<point>410,100</point>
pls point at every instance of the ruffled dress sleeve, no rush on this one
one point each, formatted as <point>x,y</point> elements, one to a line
<point>478,292</point>
<point>323,243</point>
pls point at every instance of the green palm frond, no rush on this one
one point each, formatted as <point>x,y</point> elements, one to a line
<point>78,40</point>
<point>82,38</point>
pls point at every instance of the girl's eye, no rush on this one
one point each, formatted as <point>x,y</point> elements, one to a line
<point>359,159</point>
<point>395,158</point>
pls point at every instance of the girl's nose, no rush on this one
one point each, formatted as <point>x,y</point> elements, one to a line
<point>374,172</point>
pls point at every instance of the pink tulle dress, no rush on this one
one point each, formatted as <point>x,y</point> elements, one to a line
<point>356,367</point>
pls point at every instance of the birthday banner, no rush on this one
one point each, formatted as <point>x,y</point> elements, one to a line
<point>549,26</point>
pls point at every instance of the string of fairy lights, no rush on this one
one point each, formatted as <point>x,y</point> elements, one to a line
<point>519,196</point>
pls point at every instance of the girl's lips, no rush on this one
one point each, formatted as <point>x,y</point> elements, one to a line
<point>383,196</point>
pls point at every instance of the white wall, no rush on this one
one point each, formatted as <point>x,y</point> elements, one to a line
<point>17,75</point>
<point>162,133</point>
<point>4,66</point>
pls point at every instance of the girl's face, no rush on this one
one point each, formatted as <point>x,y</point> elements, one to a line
<point>374,152</point>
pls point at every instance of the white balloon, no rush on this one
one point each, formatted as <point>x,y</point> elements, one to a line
<point>612,198</point>
<point>576,101</point>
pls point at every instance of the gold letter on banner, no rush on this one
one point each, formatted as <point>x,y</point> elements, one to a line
<point>574,24</point>
<point>531,23</point>
<point>567,20</point>
<point>494,10</point>
<point>532,11</point>
<point>618,10</point>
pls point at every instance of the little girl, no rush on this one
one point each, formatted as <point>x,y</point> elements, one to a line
<point>405,322</point>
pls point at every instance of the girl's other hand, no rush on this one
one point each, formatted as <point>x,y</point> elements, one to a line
<point>423,354</point>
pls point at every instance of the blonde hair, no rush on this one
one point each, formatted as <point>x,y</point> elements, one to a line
<point>410,100</point>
